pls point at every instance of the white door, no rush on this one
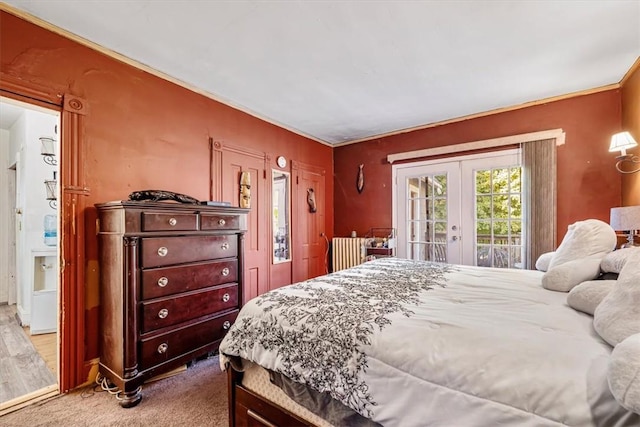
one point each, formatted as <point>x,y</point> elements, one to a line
<point>428,203</point>
<point>465,210</point>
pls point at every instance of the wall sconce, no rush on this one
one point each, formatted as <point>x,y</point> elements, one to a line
<point>48,150</point>
<point>626,219</point>
<point>52,193</point>
<point>621,142</point>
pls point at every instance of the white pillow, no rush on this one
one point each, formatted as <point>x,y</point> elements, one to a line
<point>614,261</point>
<point>618,315</point>
<point>583,246</point>
<point>624,373</point>
<point>565,277</point>
<point>543,261</point>
<point>591,237</point>
<point>587,295</point>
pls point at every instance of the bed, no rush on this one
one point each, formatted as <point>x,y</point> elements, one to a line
<point>396,342</point>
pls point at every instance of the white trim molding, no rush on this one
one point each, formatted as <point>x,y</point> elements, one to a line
<point>557,134</point>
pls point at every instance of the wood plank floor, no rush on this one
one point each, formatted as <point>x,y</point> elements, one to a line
<point>22,369</point>
<point>46,346</point>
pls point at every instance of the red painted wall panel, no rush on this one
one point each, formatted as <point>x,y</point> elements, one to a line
<point>631,123</point>
<point>588,184</point>
<point>141,131</point>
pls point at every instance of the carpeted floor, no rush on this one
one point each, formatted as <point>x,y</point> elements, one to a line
<point>195,397</point>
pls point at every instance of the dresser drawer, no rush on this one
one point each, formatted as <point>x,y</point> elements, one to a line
<point>164,281</point>
<point>169,222</point>
<point>173,344</point>
<point>219,222</point>
<point>161,251</point>
<point>177,309</point>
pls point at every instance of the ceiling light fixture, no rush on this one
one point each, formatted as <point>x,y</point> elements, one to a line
<point>621,142</point>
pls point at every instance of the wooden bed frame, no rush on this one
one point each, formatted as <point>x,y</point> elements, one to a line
<point>249,409</point>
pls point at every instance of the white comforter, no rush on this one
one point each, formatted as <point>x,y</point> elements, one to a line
<point>409,343</point>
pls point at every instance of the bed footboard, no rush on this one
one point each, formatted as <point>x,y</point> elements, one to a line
<point>249,409</point>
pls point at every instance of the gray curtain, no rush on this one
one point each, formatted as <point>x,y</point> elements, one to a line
<point>539,191</point>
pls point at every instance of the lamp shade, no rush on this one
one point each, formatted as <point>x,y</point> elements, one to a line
<point>622,141</point>
<point>625,218</point>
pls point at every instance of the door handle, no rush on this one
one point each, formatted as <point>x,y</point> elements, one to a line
<point>454,238</point>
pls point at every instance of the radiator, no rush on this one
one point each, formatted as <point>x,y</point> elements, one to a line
<point>347,252</point>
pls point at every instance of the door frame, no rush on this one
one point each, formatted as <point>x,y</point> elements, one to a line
<point>396,168</point>
<point>72,204</point>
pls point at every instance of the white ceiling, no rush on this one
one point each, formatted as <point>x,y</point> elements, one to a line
<point>340,71</point>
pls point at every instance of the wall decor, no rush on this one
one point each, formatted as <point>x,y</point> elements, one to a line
<point>311,200</point>
<point>159,195</point>
<point>245,190</point>
<point>281,161</point>
<point>52,192</point>
<point>360,179</point>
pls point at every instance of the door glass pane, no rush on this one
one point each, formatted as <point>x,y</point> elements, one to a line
<point>515,177</point>
<point>427,217</point>
<point>440,209</point>
<point>500,256</point>
<point>417,251</point>
<point>425,209</point>
<point>500,180</point>
<point>515,260</point>
<point>483,207</point>
<point>440,232</point>
<point>500,207</point>
<point>440,252</point>
<point>440,185</point>
<point>483,182</point>
<point>498,217</point>
<point>515,232</point>
<point>413,187</point>
<point>483,256</point>
<point>413,229</point>
<point>427,186</point>
<point>500,234</point>
<point>515,206</point>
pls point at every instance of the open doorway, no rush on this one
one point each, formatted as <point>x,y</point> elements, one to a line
<point>29,251</point>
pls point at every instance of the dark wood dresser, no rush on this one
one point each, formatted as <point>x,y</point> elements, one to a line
<point>170,286</point>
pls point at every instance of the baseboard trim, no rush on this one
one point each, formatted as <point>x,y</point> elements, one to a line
<point>28,399</point>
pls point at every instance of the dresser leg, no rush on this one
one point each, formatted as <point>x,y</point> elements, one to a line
<point>131,399</point>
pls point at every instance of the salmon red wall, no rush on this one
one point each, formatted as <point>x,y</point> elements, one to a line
<point>588,184</point>
<point>142,132</point>
<point>631,123</point>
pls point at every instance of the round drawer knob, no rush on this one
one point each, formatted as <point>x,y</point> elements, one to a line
<point>225,246</point>
<point>225,271</point>
<point>162,251</point>
<point>226,297</point>
<point>162,348</point>
<point>163,313</point>
<point>172,221</point>
<point>226,325</point>
<point>163,281</point>
<point>221,221</point>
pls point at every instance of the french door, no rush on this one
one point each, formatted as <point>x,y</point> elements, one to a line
<point>463,210</point>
